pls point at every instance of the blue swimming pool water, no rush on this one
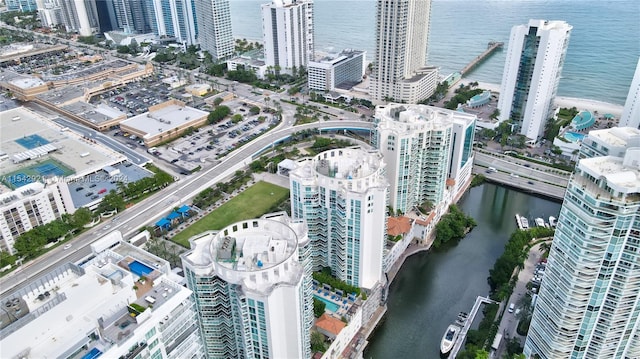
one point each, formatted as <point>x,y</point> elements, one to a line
<point>93,353</point>
<point>329,305</point>
<point>574,136</point>
<point>139,268</point>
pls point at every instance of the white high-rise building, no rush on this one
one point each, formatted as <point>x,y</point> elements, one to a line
<point>400,71</point>
<point>79,16</point>
<point>214,28</point>
<point>532,70</point>
<point>252,291</point>
<point>339,71</point>
<point>631,113</point>
<point>177,18</point>
<point>589,303</point>
<point>428,151</point>
<point>123,303</point>
<point>30,206</point>
<point>609,142</point>
<point>287,32</point>
<point>342,194</point>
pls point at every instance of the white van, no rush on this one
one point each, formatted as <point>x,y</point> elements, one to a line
<point>511,307</point>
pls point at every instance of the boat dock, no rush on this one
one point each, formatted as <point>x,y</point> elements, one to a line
<point>491,47</point>
<point>467,324</point>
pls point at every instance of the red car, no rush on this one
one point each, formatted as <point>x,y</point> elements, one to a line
<point>102,191</point>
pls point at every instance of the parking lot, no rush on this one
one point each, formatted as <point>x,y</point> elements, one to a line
<point>135,98</point>
<point>207,144</point>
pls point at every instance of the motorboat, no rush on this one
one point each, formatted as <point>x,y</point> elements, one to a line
<point>449,338</point>
<point>552,221</point>
<point>539,222</point>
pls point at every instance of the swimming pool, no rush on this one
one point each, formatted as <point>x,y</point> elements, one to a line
<point>139,268</point>
<point>94,353</point>
<point>574,136</point>
<point>329,305</point>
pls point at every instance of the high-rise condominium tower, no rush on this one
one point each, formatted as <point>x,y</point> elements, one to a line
<point>532,69</point>
<point>287,32</point>
<point>342,194</point>
<point>423,147</point>
<point>214,28</point>
<point>251,289</point>
<point>400,72</point>
<point>177,18</point>
<point>631,114</point>
<point>589,302</point>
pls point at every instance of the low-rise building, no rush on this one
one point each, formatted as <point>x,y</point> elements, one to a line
<point>164,122</point>
<point>337,71</point>
<point>250,61</point>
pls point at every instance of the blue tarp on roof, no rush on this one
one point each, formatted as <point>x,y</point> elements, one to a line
<point>163,223</point>
<point>173,215</point>
<point>184,209</point>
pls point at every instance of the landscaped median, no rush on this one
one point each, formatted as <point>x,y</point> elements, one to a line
<point>257,200</point>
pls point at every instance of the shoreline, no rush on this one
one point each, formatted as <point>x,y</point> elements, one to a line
<point>601,107</point>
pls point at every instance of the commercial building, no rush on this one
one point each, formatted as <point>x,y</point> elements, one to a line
<point>588,305</point>
<point>428,151</point>
<point>631,113</point>
<point>252,290</point>
<point>532,70</point>
<point>342,194</point>
<point>287,32</point>
<point>214,28</point>
<point>177,18</point>
<point>339,71</point>
<point>164,122</point>
<point>122,303</point>
<point>400,72</point>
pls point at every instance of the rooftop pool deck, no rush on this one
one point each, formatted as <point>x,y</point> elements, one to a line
<point>583,120</point>
<point>574,136</point>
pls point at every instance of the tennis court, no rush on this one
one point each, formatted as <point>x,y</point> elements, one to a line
<point>31,142</point>
<point>36,172</point>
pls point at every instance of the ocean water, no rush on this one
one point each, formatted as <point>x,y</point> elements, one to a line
<point>601,58</point>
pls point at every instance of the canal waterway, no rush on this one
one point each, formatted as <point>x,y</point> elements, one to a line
<point>432,288</point>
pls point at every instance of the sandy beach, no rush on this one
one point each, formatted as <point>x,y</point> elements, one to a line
<point>580,103</point>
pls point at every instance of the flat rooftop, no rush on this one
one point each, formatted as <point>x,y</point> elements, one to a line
<point>71,301</point>
<point>89,70</point>
<point>22,130</point>
<point>164,119</point>
<point>94,114</point>
<point>617,136</point>
<point>621,174</point>
<point>63,95</point>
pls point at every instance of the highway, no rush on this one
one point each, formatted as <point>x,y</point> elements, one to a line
<point>522,174</point>
<point>152,208</point>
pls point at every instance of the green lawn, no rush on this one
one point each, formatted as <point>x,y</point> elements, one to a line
<point>252,203</point>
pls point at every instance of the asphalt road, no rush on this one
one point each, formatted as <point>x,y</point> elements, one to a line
<point>514,172</point>
<point>508,325</point>
<point>149,210</point>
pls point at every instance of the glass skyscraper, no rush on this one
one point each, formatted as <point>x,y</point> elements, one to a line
<point>589,300</point>
<point>342,194</point>
<point>252,289</point>
<point>424,147</point>
<point>532,69</point>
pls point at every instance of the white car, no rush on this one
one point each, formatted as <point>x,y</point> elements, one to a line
<point>67,246</point>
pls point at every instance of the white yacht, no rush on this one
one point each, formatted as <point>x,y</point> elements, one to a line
<point>449,338</point>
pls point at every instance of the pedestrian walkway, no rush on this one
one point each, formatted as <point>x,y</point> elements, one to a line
<point>463,333</point>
